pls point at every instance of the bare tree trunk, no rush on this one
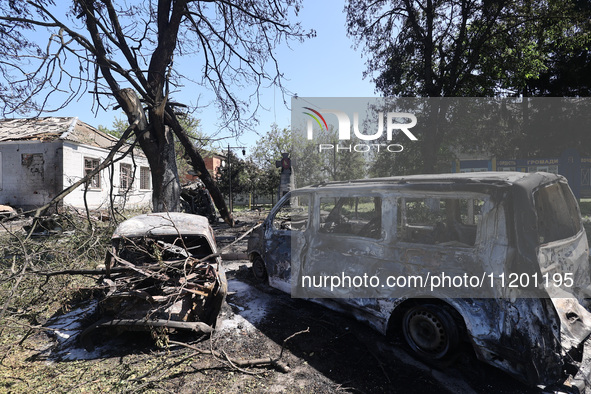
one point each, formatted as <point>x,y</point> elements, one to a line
<point>166,189</point>
<point>166,186</point>
<point>160,153</point>
<point>199,167</point>
<point>436,109</point>
<point>155,141</point>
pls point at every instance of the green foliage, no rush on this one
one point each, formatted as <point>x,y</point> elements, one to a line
<point>532,43</point>
<point>466,48</point>
<point>392,164</point>
<point>270,147</point>
<point>117,128</point>
<point>338,164</point>
<point>265,155</point>
<point>238,169</point>
<point>264,181</point>
<point>473,49</point>
<point>308,164</point>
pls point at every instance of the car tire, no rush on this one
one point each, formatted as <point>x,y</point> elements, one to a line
<point>259,270</point>
<point>431,333</point>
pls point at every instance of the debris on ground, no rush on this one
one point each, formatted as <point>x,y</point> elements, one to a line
<point>196,199</point>
<point>7,211</point>
<point>41,351</point>
<point>162,272</point>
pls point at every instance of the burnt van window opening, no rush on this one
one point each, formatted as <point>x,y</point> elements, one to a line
<point>429,220</point>
<point>557,214</point>
<point>294,214</point>
<point>361,216</point>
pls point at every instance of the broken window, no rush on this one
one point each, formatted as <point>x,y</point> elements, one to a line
<point>294,214</point>
<point>89,165</point>
<point>125,176</point>
<point>438,220</point>
<point>145,183</point>
<point>361,216</point>
<point>145,250</point>
<point>556,208</point>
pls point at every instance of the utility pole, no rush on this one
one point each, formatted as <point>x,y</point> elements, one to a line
<point>230,204</point>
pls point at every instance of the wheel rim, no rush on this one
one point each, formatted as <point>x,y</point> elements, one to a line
<point>426,333</point>
<point>258,268</point>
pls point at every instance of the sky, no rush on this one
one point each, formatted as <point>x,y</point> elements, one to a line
<point>324,66</point>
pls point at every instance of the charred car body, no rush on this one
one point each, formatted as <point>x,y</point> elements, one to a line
<point>162,271</point>
<point>518,235</point>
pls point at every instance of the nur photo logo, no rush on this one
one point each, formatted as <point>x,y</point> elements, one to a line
<point>396,122</point>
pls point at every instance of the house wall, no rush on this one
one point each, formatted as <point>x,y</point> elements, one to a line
<point>213,165</point>
<point>29,173</point>
<point>99,198</point>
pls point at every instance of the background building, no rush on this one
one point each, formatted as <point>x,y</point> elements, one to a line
<point>40,157</point>
<point>570,164</point>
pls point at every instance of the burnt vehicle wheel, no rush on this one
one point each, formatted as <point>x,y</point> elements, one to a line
<point>259,270</point>
<point>430,332</point>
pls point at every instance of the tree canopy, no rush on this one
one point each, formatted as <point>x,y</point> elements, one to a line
<point>470,48</point>
<point>123,53</point>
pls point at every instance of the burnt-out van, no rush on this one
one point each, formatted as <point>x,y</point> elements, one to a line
<point>498,260</point>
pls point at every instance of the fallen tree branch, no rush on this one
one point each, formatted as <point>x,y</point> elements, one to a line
<point>103,271</point>
<point>198,327</point>
<point>307,330</point>
<point>229,360</point>
<point>20,277</point>
<point>255,362</point>
<point>198,165</point>
<point>144,271</point>
<point>240,238</point>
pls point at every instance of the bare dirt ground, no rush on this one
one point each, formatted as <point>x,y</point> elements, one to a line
<point>335,354</point>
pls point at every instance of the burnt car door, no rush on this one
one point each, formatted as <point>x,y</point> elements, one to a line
<point>436,235</point>
<point>347,249</point>
<point>284,232</point>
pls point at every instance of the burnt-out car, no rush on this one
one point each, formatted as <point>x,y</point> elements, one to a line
<point>163,270</point>
<point>496,260</point>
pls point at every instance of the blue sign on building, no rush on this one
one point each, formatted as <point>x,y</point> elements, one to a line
<point>570,164</point>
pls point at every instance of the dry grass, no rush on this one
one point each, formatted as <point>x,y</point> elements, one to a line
<point>28,361</point>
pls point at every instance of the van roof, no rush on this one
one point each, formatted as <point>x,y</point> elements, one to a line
<point>489,178</point>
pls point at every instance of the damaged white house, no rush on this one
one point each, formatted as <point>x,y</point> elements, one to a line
<point>40,157</point>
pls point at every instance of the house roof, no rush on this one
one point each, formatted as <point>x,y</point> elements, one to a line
<point>52,129</point>
<point>210,154</point>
